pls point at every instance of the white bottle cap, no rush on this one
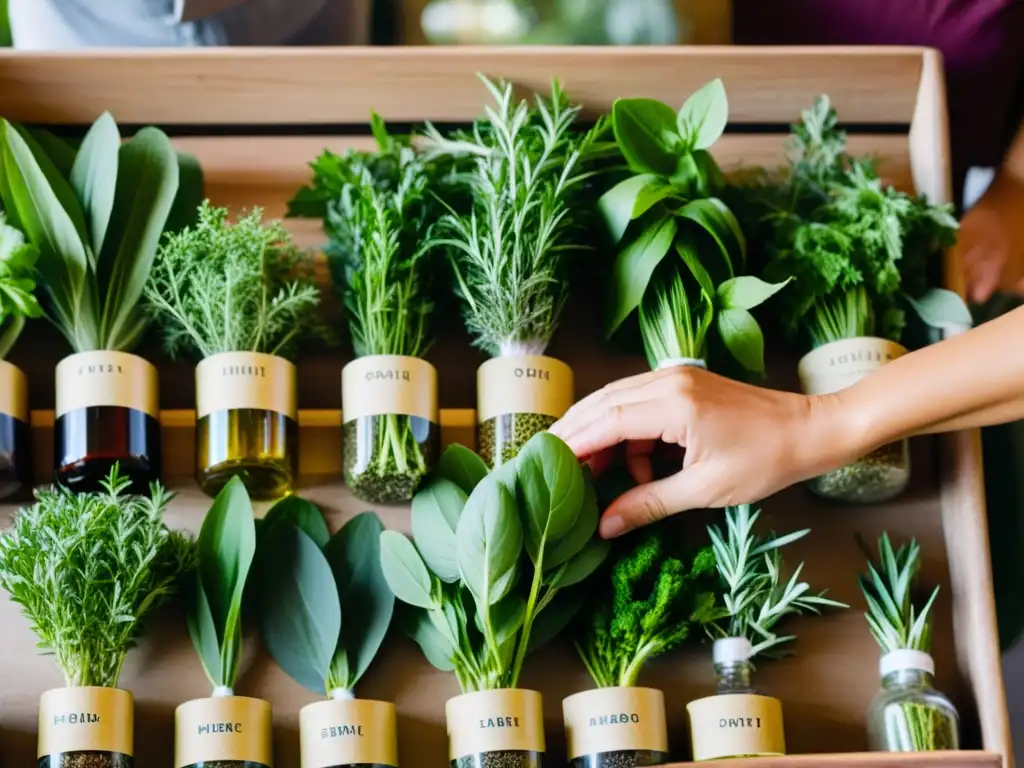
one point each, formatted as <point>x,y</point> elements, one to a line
<point>903,659</point>
<point>672,362</point>
<point>730,650</point>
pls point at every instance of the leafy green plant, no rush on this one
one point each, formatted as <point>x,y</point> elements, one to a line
<point>669,205</point>
<point>324,608</point>
<point>17,284</point>
<point>652,603</point>
<point>243,287</point>
<point>756,596</point>
<point>89,570</point>
<point>96,228</point>
<point>489,557</point>
<point>224,551</point>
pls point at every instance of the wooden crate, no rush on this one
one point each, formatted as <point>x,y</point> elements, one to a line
<point>256,117</point>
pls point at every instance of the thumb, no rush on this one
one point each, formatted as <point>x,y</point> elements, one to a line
<point>651,502</point>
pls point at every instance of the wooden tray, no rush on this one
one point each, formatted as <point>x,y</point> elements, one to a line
<point>256,117</point>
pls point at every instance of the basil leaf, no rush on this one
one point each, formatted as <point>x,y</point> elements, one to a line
<point>702,119</point>
<point>490,540</point>
<point>435,646</point>
<point>94,176</point>
<point>718,221</point>
<point>586,525</point>
<point>742,337</point>
<point>618,204</point>
<point>551,491</point>
<point>691,258</point>
<point>299,512</point>
<point>405,571</point>
<point>645,131</point>
<point>436,509</point>
<point>747,292</point>
<point>461,466</point>
<point>634,265</point>
<point>585,562</point>
<point>941,308</point>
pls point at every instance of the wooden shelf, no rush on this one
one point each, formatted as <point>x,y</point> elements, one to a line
<point>963,759</point>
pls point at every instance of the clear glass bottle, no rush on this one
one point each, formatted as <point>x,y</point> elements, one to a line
<point>881,475</point>
<point>496,729</point>
<point>909,714</point>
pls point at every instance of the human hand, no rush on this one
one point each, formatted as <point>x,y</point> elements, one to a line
<point>742,443</point>
<point>991,239</point>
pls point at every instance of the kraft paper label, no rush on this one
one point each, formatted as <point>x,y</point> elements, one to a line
<point>13,391</point>
<point>89,719</point>
<point>523,384</point>
<point>383,384</point>
<point>348,732</point>
<point>223,728</point>
<point>840,364</point>
<point>736,725</point>
<point>233,380</point>
<point>615,719</point>
<point>91,379</point>
<point>495,721</point>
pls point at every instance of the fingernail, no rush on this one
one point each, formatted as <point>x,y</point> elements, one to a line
<point>612,526</point>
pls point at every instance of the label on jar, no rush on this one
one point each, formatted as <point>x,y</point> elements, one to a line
<point>90,379</point>
<point>495,721</point>
<point>233,380</point>
<point>223,728</point>
<point>736,725</point>
<point>523,384</point>
<point>840,364</point>
<point>13,392</point>
<point>383,384</point>
<point>348,732</point>
<point>615,719</point>
<point>88,719</point>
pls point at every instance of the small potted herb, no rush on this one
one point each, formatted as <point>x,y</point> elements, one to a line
<point>908,714</point>
<point>378,209</point>
<point>224,730</point>
<point>859,255</point>
<point>324,611</point>
<point>756,598</point>
<point>681,256</point>
<point>236,295</point>
<point>510,252</point>
<point>652,603</point>
<point>17,303</point>
<point>89,570</point>
<point>490,552</point>
<point>97,230</point>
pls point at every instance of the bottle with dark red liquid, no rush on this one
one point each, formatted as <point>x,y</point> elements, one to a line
<point>15,437</point>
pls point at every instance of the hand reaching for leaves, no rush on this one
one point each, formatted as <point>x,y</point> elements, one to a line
<point>991,240</point>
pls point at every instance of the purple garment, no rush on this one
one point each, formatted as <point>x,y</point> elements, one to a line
<point>982,42</point>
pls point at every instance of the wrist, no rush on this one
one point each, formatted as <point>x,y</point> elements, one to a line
<point>838,429</point>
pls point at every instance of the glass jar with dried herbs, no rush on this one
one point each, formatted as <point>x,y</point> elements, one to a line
<point>242,297</point>
<point>89,570</point>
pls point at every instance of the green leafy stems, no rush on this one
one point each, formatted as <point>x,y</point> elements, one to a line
<point>669,205</point>
<point>756,596</point>
<point>17,284</point>
<point>222,287</point>
<point>95,216</point>
<point>491,556</point>
<point>525,169</point>
<point>225,551</point>
<point>324,605</point>
<point>653,602</point>
<point>89,570</point>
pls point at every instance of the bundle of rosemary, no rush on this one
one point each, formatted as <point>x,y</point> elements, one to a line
<point>378,210</point>
<point>526,178</point>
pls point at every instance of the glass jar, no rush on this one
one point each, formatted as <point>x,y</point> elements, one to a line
<point>908,714</point>
<point>476,22</point>
<point>616,728</point>
<point>348,732</point>
<point>885,472</point>
<point>15,435</point>
<point>223,732</point>
<point>496,729</point>
<point>518,396</point>
<point>391,438</point>
<point>246,423</point>
<point>86,727</point>
<point>107,413</point>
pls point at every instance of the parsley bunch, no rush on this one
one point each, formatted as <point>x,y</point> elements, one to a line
<point>17,283</point>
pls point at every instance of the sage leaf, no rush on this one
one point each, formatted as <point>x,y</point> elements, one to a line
<point>436,509</point>
<point>618,205</point>
<point>60,151</point>
<point>507,617</point>
<point>461,466</point>
<point>94,176</point>
<point>743,338</point>
<point>941,308</point>
<point>747,292</point>
<point>645,130</point>
<point>634,265</point>
<point>296,511</point>
<point>702,119</point>
<point>300,613</point>
<point>201,628</point>
<point>581,566</point>
<point>405,571</point>
<point>718,221</point>
<point>490,540</point>
<point>554,618</point>
<point>435,646</point>
<point>551,492</point>
<point>191,193</point>
<point>582,531</point>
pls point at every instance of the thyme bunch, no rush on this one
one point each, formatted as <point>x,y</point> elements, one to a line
<point>89,570</point>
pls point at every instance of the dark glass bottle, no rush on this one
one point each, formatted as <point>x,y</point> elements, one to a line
<point>249,743</point>
<point>103,741</point>
<point>15,435</point>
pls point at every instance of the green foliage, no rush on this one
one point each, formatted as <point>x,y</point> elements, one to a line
<point>526,173</point>
<point>892,617</point>
<point>96,224</point>
<point>653,602</point>
<point>491,558</point>
<point>89,570</point>
<point>756,596</point>
<point>669,207</point>
<point>858,251</point>
<point>243,287</point>
<point>17,283</point>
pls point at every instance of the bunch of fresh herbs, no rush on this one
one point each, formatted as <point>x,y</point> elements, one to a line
<point>490,555</point>
<point>89,570</point>
<point>17,284</point>
<point>221,287</point>
<point>669,204</point>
